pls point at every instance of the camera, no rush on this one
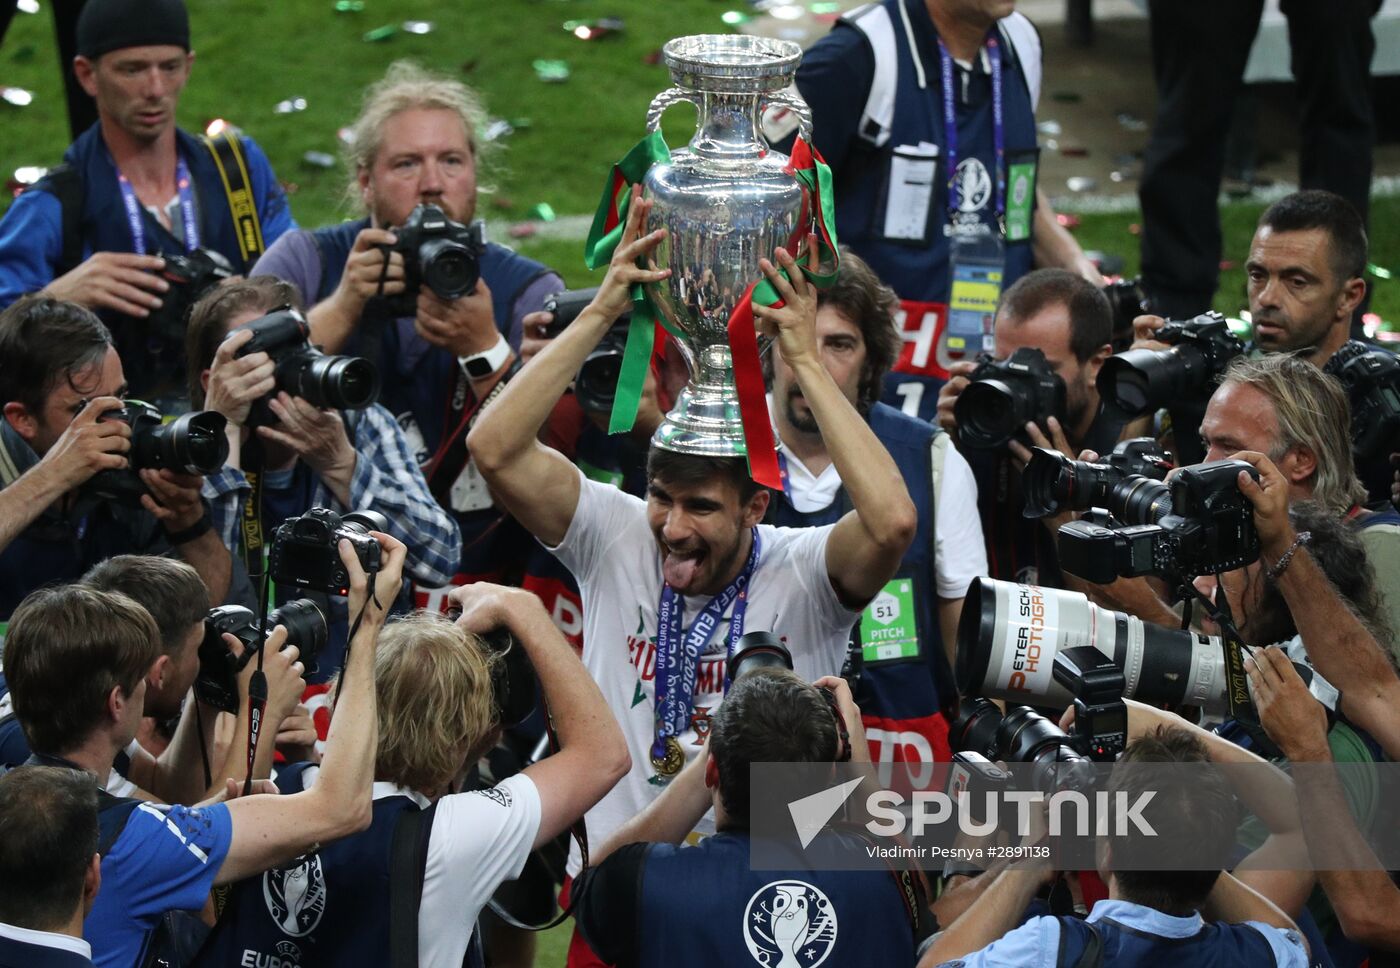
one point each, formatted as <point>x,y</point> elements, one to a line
<point>513,681</point>
<point>190,444</point>
<point>305,551</point>
<point>438,253</point>
<point>1198,524</point>
<point>1142,381</point>
<point>1004,395</point>
<point>1126,302</point>
<point>302,370</point>
<point>1371,378</point>
<point>595,384</point>
<point>1010,635</point>
<point>217,683</point>
<point>757,650</point>
<point>1052,481</point>
<point>1021,736</point>
<point>190,277</point>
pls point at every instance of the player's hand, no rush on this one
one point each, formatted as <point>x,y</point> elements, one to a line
<point>615,294</point>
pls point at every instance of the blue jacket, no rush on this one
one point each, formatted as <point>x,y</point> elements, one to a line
<point>32,242</point>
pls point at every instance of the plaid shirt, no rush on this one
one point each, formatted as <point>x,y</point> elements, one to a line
<point>386,479</point>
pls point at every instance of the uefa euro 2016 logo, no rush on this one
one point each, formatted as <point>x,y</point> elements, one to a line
<point>296,896</point>
<point>789,924</point>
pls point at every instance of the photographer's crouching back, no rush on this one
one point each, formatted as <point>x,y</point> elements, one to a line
<point>1180,917</point>
<point>654,901</point>
<point>440,697</point>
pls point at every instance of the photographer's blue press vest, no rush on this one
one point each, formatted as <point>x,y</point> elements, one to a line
<point>918,270</point>
<point>889,691</point>
<point>422,380</point>
<point>326,908</point>
<point>1216,946</point>
<point>702,907</point>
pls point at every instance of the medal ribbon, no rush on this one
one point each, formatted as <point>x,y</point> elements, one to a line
<point>950,128</point>
<point>808,167</point>
<point>134,215</point>
<point>678,662</point>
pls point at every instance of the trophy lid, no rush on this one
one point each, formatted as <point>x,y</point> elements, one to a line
<point>736,63</point>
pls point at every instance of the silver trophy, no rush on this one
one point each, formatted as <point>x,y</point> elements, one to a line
<point>726,200</point>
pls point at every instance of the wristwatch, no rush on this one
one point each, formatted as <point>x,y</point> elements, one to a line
<point>481,365</point>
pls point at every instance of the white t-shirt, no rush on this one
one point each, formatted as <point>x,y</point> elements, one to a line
<point>612,554</point>
<point>959,552</point>
<point>479,839</point>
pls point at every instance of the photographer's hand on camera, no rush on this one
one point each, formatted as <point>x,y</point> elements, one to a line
<point>318,437</point>
<point>237,382</point>
<point>1144,332</point>
<point>296,737</point>
<point>850,715</point>
<point>1269,495</point>
<point>464,326</point>
<point>333,320</point>
<point>173,499</point>
<point>122,281</point>
<point>387,581</point>
<point>88,445</point>
<point>534,334</point>
<point>948,394</point>
<point>487,607</point>
<point>1289,713</point>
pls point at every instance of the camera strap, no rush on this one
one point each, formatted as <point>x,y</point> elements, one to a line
<point>447,464</point>
<point>233,172</point>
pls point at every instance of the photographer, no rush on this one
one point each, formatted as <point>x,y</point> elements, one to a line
<point>59,376</point>
<point>416,143</point>
<point>696,543</point>
<point>136,193</point>
<point>1149,916</point>
<point>1306,276</point>
<point>307,457</point>
<point>1291,411</point>
<point>76,660</point>
<point>858,343</point>
<point>176,599</point>
<point>439,714</point>
<point>49,876</point>
<point>1364,897</point>
<point>1069,321</point>
<point>653,901</point>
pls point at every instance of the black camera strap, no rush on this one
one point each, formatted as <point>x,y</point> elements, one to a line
<point>242,207</point>
<point>446,465</point>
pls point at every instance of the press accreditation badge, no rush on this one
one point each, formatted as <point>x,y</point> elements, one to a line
<point>889,627</point>
<point>977,262</point>
<point>909,197</point>
<point>1020,198</point>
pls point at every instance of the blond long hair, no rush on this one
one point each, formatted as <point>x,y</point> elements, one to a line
<point>1313,413</point>
<point>433,682</point>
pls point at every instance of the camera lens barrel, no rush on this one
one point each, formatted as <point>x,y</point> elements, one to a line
<point>990,413</point>
<point>1010,634</point>
<point>330,382</point>
<point>450,269</point>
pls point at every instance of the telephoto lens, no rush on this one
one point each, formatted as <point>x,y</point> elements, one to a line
<point>1010,634</point>
<point>329,382</point>
<point>1052,481</point>
<point>975,729</point>
<point>1140,382</point>
<point>1025,736</point>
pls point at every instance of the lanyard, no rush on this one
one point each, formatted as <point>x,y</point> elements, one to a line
<point>950,126</point>
<point>135,216</point>
<point>676,673</point>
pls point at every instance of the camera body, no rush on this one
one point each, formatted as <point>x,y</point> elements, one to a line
<point>1140,382</point>
<point>305,550</point>
<point>217,682</point>
<point>190,276</point>
<point>1052,481</point>
<point>438,253</point>
<point>595,384</point>
<point>302,370</point>
<point>1199,524</point>
<point>1127,300</point>
<point>1061,759</point>
<point>193,443</point>
<point>1004,395</point>
<point>1371,378</point>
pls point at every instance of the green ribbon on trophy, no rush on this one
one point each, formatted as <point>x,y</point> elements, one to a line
<point>821,267</point>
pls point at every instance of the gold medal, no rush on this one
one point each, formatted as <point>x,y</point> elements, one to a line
<point>670,761</point>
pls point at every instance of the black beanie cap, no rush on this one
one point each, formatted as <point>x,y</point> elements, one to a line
<point>108,25</point>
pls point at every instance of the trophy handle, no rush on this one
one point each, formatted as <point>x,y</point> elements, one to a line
<point>664,100</point>
<point>796,105</point>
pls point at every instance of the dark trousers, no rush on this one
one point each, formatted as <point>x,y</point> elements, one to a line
<point>1199,51</point>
